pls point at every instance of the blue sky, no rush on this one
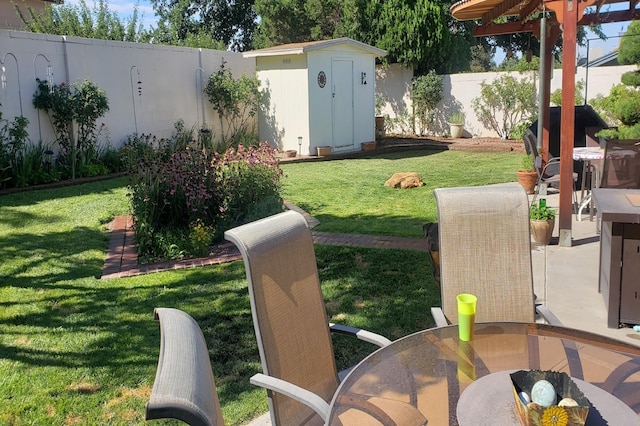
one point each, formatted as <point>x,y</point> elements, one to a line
<point>124,8</point>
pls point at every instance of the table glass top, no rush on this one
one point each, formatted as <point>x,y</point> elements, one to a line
<point>421,377</point>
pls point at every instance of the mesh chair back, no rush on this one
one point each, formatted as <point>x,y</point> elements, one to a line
<point>288,310</point>
<point>485,249</point>
<point>621,167</point>
<point>184,387</point>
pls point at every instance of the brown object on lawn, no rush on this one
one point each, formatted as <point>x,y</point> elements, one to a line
<point>404,180</point>
<point>292,329</point>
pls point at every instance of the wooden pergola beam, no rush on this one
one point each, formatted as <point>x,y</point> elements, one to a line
<point>528,9</point>
<point>506,28</point>
<point>533,26</point>
<point>499,10</point>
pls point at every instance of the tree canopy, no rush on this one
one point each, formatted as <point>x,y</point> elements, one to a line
<point>230,22</point>
<point>629,50</point>
<point>81,21</point>
<point>419,33</point>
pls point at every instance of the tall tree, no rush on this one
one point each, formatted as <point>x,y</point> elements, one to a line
<point>629,51</point>
<point>231,22</point>
<point>420,33</point>
<point>81,21</point>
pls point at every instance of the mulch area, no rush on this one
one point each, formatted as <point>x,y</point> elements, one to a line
<point>459,144</point>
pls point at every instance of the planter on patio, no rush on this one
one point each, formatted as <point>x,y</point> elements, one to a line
<point>542,219</point>
<point>324,150</point>
<point>542,230</point>
<point>368,146</point>
<point>528,180</point>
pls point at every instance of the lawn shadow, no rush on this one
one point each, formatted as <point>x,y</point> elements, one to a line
<point>27,198</point>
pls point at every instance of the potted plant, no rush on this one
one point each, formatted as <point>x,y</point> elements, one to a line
<point>527,175</point>
<point>456,124</point>
<point>543,220</point>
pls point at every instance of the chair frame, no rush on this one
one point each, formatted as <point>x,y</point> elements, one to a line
<point>499,216</point>
<point>276,233</point>
<point>184,387</point>
<point>547,173</point>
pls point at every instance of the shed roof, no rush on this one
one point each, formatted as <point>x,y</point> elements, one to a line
<point>309,46</point>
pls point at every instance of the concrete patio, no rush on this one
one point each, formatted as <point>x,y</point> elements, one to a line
<point>566,280</point>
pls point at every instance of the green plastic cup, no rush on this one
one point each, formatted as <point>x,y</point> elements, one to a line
<point>466,315</point>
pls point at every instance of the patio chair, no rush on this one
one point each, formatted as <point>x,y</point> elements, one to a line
<point>291,323</point>
<point>548,173</point>
<point>621,167</point>
<point>184,387</point>
<point>485,249</point>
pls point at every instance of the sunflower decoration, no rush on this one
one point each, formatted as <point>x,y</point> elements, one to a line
<point>555,416</point>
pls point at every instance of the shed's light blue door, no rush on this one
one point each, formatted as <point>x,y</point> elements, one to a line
<point>342,82</point>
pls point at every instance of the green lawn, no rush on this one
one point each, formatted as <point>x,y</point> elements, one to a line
<point>350,196</point>
<point>77,350</point>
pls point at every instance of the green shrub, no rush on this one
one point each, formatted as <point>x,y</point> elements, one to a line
<point>194,193</point>
<point>32,168</point>
<point>504,102</point>
<point>627,109</point>
<point>517,131</point>
<point>78,106</point>
<point>541,212</point>
<point>631,78</point>
<point>136,149</point>
<point>578,95</point>
<point>426,92</point>
<point>235,100</point>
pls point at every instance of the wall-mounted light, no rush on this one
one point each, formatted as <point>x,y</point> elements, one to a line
<point>363,78</point>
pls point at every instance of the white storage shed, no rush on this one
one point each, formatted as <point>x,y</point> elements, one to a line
<point>319,94</point>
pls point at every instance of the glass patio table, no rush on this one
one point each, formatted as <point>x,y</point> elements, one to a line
<point>420,378</point>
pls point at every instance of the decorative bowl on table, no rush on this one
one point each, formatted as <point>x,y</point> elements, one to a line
<point>548,398</point>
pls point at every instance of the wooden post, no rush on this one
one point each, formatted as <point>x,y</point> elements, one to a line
<point>567,118</point>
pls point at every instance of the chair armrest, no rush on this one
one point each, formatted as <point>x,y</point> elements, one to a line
<point>365,335</point>
<point>547,315</point>
<point>301,395</point>
<point>552,167</point>
<point>438,317</point>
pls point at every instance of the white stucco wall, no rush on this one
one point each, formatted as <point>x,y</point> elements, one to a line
<point>394,83</point>
<point>172,81</point>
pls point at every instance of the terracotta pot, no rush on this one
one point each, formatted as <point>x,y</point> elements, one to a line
<point>528,180</point>
<point>290,153</point>
<point>542,230</point>
<point>368,146</point>
<point>324,150</point>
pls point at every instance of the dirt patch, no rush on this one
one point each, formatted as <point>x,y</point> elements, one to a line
<point>459,144</point>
